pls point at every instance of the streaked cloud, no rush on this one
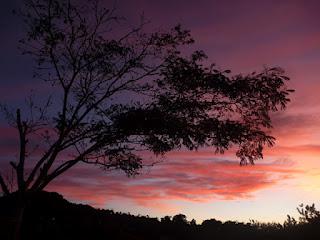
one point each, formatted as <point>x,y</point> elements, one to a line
<point>197,180</point>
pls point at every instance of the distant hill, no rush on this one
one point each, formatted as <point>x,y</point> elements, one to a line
<point>49,216</point>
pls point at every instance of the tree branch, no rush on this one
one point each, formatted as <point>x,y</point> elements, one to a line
<point>22,128</point>
<point>63,167</point>
<point>4,187</point>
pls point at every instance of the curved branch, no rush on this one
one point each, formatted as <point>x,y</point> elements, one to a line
<point>4,187</point>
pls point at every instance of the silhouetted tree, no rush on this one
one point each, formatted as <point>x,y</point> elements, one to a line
<point>115,95</point>
<point>180,219</point>
<point>308,214</point>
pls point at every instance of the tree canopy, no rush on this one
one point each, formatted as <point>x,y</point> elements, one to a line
<point>118,94</point>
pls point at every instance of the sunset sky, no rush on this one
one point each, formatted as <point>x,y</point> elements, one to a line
<point>242,36</point>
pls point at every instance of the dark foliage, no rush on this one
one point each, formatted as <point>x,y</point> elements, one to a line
<point>49,216</point>
<point>115,94</point>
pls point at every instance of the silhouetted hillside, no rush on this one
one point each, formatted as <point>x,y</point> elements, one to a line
<point>50,216</point>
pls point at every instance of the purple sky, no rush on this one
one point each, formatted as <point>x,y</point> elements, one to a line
<point>239,35</point>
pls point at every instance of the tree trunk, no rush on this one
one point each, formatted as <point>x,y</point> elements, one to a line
<point>19,215</point>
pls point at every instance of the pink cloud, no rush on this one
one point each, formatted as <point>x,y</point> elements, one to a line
<point>197,180</point>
